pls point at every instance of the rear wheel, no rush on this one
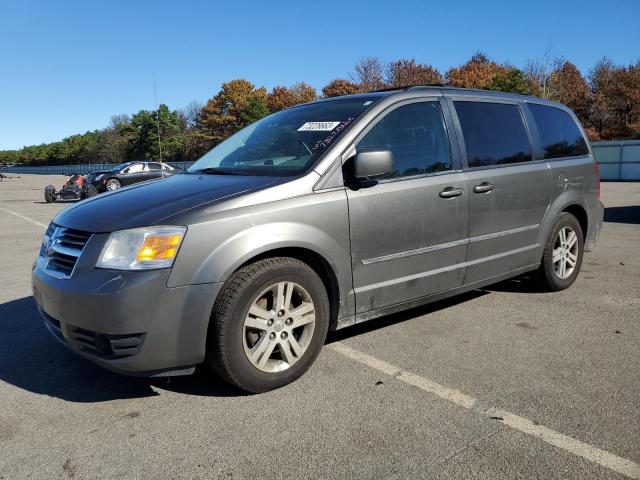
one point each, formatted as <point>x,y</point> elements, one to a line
<point>562,256</point>
<point>49,194</point>
<point>113,184</point>
<point>268,324</point>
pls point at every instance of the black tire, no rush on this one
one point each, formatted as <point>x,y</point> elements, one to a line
<point>225,351</point>
<point>90,191</point>
<point>49,194</point>
<point>546,277</point>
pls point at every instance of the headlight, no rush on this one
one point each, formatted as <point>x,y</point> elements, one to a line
<point>47,239</point>
<point>98,178</point>
<point>141,248</point>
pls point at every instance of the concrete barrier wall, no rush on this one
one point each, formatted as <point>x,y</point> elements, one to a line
<point>618,160</point>
<point>79,169</point>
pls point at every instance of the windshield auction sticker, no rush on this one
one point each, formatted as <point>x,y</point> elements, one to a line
<point>318,126</point>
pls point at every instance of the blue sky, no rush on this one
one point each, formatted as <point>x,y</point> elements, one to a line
<point>67,66</point>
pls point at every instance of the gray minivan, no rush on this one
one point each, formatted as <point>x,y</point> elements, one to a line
<point>315,218</point>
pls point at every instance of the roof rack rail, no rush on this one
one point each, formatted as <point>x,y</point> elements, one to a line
<point>445,83</point>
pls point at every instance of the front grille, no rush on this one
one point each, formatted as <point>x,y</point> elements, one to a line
<point>107,346</point>
<point>64,248</point>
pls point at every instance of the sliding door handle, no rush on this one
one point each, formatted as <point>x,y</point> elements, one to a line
<point>484,187</point>
<point>451,192</point>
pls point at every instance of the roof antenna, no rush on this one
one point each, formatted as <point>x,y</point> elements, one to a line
<point>155,94</point>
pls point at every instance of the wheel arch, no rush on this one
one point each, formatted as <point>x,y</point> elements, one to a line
<point>203,260</point>
<point>571,202</point>
<point>317,262</point>
<point>580,213</point>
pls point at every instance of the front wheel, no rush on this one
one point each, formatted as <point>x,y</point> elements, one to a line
<point>562,256</point>
<point>268,324</point>
<point>113,184</point>
<point>50,194</point>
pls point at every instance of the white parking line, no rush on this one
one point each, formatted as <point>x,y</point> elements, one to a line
<point>524,425</point>
<point>35,222</point>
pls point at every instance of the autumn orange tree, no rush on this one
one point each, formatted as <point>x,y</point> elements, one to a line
<point>284,97</point>
<point>568,86</point>
<point>236,105</point>
<point>607,103</point>
<point>623,99</point>
<point>403,73</point>
<point>340,86</point>
<point>478,72</point>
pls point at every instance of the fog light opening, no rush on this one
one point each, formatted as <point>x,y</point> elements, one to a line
<point>103,345</point>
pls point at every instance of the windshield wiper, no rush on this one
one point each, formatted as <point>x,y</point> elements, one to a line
<point>218,171</point>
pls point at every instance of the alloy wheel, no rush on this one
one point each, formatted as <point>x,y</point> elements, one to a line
<point>113,184</point>
<point>565,252</point>
<point>278,327</point>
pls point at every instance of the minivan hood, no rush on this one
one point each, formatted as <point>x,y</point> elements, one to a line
<point>150,202</point>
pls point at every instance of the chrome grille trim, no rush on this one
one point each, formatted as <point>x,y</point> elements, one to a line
<point>63,250</point>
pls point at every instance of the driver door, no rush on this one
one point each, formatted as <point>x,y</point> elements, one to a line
<point>409,230</point>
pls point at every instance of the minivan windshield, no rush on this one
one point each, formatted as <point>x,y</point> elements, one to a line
<point>285,143</point>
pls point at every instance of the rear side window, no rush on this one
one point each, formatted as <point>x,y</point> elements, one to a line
<point>494,133</point>
<point>559,134</point>
<point>416,135</point>
<point>154,166</point>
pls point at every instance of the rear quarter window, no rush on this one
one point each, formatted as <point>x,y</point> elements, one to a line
<point>494,133</point>
<point>559,134</point>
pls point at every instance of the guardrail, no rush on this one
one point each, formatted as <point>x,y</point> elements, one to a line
<point>618,160</point>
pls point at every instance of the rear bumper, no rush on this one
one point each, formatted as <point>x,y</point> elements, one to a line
<point>595,226</point>
<point>127,322</point>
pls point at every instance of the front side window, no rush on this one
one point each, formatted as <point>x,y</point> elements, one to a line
<point>416,135</point>
<point>494,133</point>
<point>559,134</point>
<point>285,143</point>
<point>135,168</point>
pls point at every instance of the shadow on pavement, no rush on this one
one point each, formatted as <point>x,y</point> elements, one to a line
<point>389,320</point>
<point>629,214</point>
<point>33,360</point>
<point>521,284</point>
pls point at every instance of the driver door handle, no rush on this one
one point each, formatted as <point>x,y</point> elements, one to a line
<point>451,192</point>
<point>484,187</point>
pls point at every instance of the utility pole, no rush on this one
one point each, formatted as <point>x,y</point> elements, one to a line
<point>155,94</point>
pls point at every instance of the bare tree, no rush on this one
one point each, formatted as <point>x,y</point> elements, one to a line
<point>538,71</point>
<point>369,73</point>
<point>119,120</point>
<point>190,114</point>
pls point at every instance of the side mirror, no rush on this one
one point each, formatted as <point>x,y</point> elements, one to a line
<point>370,164</point>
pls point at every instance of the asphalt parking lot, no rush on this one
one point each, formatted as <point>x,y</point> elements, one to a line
<point>502,382</point>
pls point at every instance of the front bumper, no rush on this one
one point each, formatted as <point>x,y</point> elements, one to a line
<point>127,322</point>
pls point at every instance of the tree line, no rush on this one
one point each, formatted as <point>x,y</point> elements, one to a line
<point>607,102</point>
